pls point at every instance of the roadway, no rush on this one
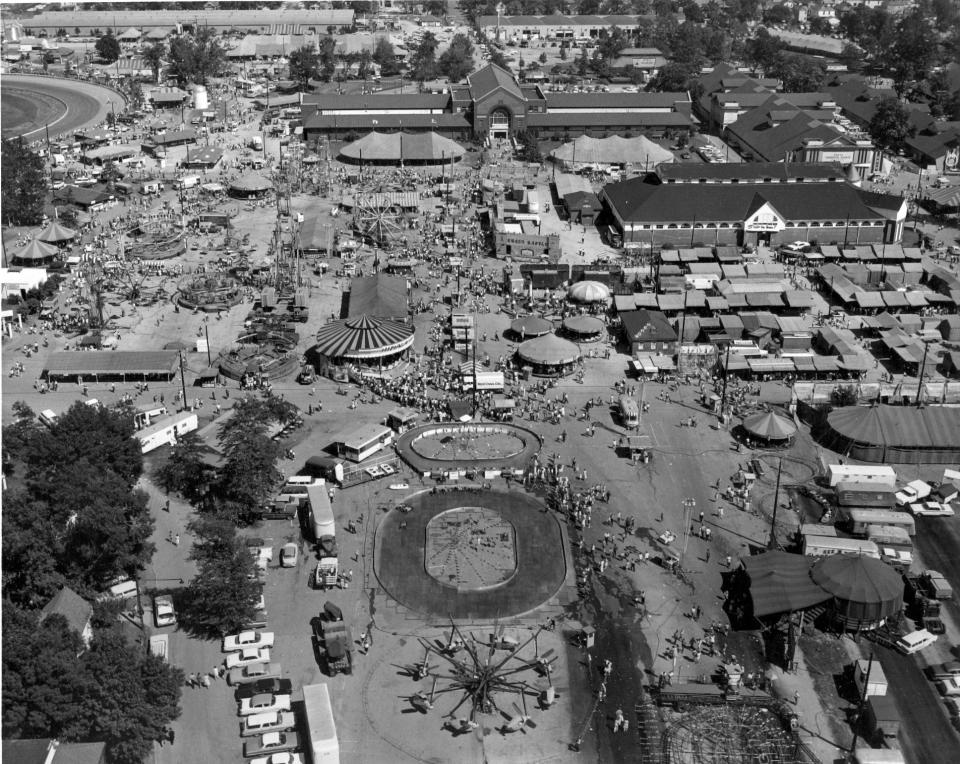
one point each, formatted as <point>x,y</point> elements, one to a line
<point>81,104</point>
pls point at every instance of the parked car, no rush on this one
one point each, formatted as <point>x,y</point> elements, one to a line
<point>270,685</point>
<point>247,639</point>
<point>949,687</point>
<point>264,702</point>
<point>271,742</point>
<point>255,672</point>
<point>289,555</point>
<point>163,612</point>
<point>931,509</point>
<point>285,757</point>
<point>247,656</point>
<point>947,670</point>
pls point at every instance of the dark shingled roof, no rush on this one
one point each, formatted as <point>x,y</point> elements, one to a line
<point>614,100</point>
<point>758,171</point>
<point>636,200</point>
<point>376,101</point>
<point>383,121</point>
<point>484,81</point>
<point>603,119</point>
<point>71,606</point>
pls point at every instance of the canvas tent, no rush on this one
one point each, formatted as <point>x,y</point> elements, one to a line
<point>393,148</point>
<point>615,150</point>
<point>895,434</point>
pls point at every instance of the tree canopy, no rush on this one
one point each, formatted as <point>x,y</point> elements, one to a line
<point>457,60</point>
<point>890,125</point>
<point>423,64</point>
<point>23,185</point>
<point>108,48</point>
<point>196,57</point>
<point>304,65</point>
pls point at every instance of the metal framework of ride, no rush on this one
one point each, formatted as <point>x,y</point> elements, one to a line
<point>378,218</point>
<point>486,675</point>
<point>732,734</point>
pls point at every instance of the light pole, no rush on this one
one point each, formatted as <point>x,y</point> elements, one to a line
<point>688,505</point>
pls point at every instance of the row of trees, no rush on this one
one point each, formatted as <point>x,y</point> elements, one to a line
<point>72,517</point>
<point>23,185</point>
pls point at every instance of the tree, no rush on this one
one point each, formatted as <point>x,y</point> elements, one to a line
<point>386,57</point>
<point>304,65</point>
<point>671,78</point>
<point>194,58</point>
<point>424,61</point>
<point>777,15</point>
<point>22,185</point>
<point>153,57</point>
<point>185,470</point>
<point>890,125</point>
<point>799,74</point>
<point>107,48</point>
<point>913,50</point>
<point>220,599</point>
<point>763,50</point>
<point>457,60</point>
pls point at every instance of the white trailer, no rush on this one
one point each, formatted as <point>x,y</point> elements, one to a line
<point>324,745</point>
<point>321,512</point>
<point>861,473</point>
<point>166,431</point>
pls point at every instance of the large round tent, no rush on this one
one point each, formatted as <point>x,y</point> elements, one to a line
<point>365,342</point>
<point>549,354</point>
<point>35,253</point>
<point>584,328</point>
<point>250,184</point>
<point>615,149</point>
<point>408,148</point>
<point>531,326</point>
<point>865,591</point>
<point>770,427</point>
<point>56,234</point>
<point>894,434</point>
<point>589,291</point>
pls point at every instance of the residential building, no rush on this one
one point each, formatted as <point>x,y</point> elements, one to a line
<point>648,331</point>
<point>74,608</point>
<point>46,751</point>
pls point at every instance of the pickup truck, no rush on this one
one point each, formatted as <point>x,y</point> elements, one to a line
<point>912,492</point>
<point>936,585</point>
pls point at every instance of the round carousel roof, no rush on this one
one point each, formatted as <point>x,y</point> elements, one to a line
<point>396,147</point>
<point>770,426</point>
<point>589,291</point>
<point>36,251</point>
<point>858,578</point>
<point>55,232</point>
<point>251,182</point>
<point>583,325</point>
<point>549,350</point>
<point>531,326</point>
<point>363,336</point>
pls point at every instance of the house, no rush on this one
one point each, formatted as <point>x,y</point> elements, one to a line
<point>46,751</point>
<point>648,331</point>
<point>645,61</point>
<point>74,608</point>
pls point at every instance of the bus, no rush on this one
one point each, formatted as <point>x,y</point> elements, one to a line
<point>825,546</point>
<point>629,412</point>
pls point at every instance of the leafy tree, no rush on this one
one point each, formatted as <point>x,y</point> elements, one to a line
<point>196,57</point>
<point>153,57</point>
<point>22,185</point>
<point>890,125</point>
<point>328,57</point>
<point>777,15</point>
<point>672,77</point>
<point>221,598</point>
<point>31,550</point>
<point>185,470</point>
<point>764,50</point>
<point>304,65</point>
<point>799,74</point>
<point>913,50</point>
<point>385,56</point>
<point>457,60</point>
<point>424,61</point>
<point>107,48</point>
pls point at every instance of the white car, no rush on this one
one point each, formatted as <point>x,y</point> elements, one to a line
<point>247,640</point>
<point>288,556</point>
<point>932,509</point>
<point>247,656</point>
<point>284,757</point>
<point>949,687</point>
<point>261,704</point>
<point>163,612</point>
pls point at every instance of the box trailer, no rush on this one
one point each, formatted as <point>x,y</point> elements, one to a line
<point>865,494</point>
<point>858,520</point>
<point>861,473</point>
<point>166,431</point>
<point>883,719</point>
<point>321,727</point>
<point>321,512</point>
<point>876,683</point>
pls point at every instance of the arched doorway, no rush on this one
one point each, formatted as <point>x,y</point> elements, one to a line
<point>499,123</point>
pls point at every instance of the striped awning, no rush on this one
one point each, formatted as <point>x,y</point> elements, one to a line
<point>363,337</point>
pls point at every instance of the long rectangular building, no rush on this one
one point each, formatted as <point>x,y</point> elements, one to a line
<point>652,214</point>
<point>554,27</point>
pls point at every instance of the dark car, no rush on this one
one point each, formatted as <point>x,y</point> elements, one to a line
<point>271,742</point>
<point>265,686</point>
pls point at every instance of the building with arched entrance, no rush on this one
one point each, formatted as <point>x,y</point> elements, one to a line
<point>493,103</point>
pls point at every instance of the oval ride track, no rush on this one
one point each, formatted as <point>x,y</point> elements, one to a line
<point>540,548</point>
<point>69,105</point>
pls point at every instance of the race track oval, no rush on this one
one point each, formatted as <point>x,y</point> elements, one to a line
<point>30,103</point>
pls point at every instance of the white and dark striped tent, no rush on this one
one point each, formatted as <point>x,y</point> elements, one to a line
<point>363,339</point>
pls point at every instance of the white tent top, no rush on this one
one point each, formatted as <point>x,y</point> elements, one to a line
<point>613,150</point>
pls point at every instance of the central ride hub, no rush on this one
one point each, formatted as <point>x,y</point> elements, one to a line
<point>470,548</point>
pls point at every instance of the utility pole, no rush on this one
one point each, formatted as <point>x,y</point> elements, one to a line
<point>688,505</point>
<point>183,382</point>
<point>206,331</point>
<point>772,544</point>
<point>923,365</point>
<point>726,371</point>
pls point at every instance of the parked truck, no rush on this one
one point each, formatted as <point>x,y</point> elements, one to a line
<point>327,574</point>
<point>321,728</point>
<point>334,639</point>
<point>883,720</point>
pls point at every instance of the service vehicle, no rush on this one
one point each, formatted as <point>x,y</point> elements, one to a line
<point>247,656</point>
<point>255,672</point>
<point>163,612</point>
<point>332,633</point>
<point>915,641</point>
<point>932,509</point>
<point>248,639</point>
<point>264,703</point>
<point>912,492</point>
<point>289,555</point>
<point>321,728</point>
<point>935,585</point>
